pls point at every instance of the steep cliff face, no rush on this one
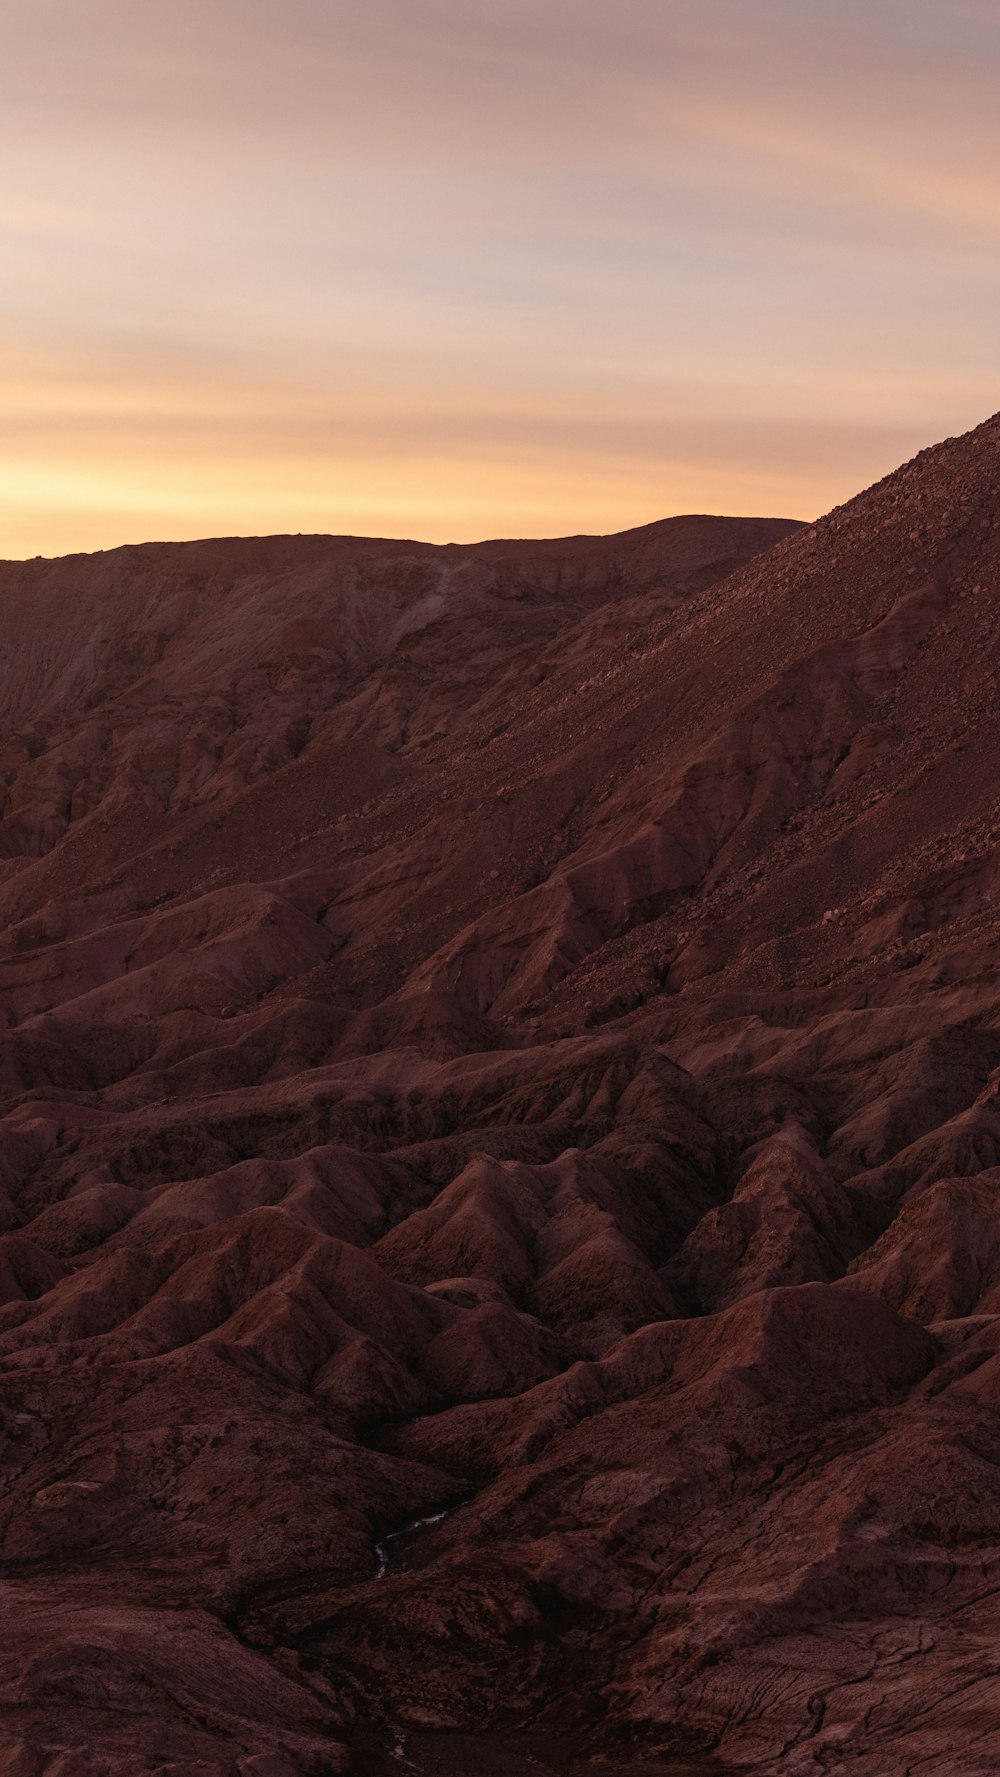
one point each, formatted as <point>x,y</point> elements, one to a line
<point>500,1149</point>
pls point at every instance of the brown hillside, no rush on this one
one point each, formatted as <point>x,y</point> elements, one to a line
<point>500,1253</point>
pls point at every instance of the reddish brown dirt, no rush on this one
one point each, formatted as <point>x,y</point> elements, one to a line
<point>500,1151</point>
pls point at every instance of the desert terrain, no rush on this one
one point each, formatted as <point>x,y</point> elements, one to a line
<point>500,1150</point>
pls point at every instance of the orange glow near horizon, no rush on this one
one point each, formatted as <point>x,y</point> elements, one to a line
<point>472,270</point>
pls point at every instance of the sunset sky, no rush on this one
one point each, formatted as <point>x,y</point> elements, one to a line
<point>462,268</point>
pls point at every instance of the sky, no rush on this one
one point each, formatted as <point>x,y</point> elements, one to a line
<point>465,268</point>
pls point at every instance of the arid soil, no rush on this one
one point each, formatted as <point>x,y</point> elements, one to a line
<point>500,1151</point>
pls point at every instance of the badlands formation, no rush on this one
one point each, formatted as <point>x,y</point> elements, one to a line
<point>500,1151</point>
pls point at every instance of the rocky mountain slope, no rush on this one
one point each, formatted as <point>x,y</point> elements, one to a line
<point>500,1150</point>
